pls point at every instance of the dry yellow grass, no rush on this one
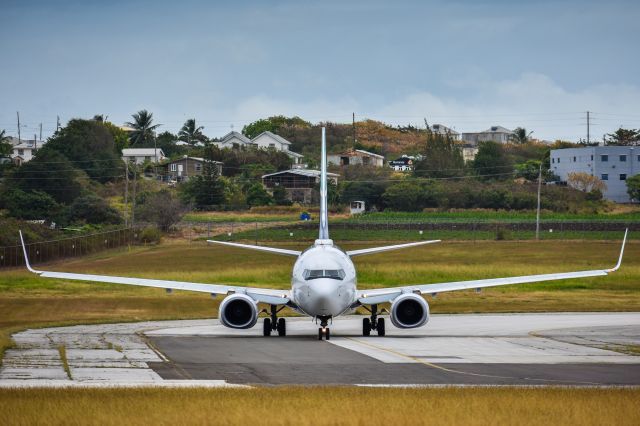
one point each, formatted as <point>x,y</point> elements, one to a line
<point>322,406</point>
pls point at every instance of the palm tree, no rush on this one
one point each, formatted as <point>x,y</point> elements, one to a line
<point>191,133</point>
<point>5,146</point>
<point>143,132</point>
<point>520,135</point>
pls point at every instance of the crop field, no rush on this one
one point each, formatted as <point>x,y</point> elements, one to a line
<point>321,406</point>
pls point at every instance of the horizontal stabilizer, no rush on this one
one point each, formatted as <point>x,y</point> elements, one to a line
<point>388,248</point>
<point>274,250</point>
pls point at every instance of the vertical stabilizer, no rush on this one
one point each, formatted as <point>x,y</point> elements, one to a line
<point>324,216</point>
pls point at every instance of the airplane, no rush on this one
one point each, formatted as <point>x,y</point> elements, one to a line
<point>324,284</point>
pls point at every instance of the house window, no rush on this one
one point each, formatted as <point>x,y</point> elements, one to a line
<point>21,152</point>
<point>574,159</point>
<point>623,176</point>
<point>604,158</point>
<point>553,160</point>
<point>638,158</point>
<point>147,158</point>
<point>558,160</point>
<point>272,145</point>
<point>592,157</point>
<point>174,167</point>
<point>604,176</point>
<point>198,167</point>
<point>623,158</point>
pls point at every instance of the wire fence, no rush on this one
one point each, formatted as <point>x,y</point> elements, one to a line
<point>409,231</point>
<point>46,251</point>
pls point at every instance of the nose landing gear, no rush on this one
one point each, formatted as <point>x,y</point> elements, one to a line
<point>373,323</point>
<point>324,330</point>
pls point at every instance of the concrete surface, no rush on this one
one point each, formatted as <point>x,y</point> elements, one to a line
<point>493,349</point>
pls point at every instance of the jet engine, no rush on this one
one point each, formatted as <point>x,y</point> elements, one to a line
<point>409,310</point>
<point>238,311</point>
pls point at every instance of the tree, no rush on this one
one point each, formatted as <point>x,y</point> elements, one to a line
<point>520,135</point>
<point>90,208</point>
<point>144,129</point>
<point>258,196</point>
<point>90,146</point>
<point>410,196</point>
<point>280,196</point>
<point>626,137</point>
<point>162,208</point>
<point>633,187</point>
<point>191,133</point>
<point>166,141</point>
<point>206,189</point>
<point>5,147</point>
<point>442,158</point>
<point>273,124</point>
<point>491,161</point>
<point>585,182</point>
<point>31,205</point>
<point>120,136</point>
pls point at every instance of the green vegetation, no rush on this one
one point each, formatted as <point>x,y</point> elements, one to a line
<point>300,406</point>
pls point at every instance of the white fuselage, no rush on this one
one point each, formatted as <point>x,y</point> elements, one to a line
<point>323,281</point>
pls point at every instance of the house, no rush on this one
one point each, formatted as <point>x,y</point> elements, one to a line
<point>235,140</point>
<point>299,183</point>
<point>142,155</point>
<point>469,153</point>
<point>269,140</point>
<point>186,167</point>
<point>612,164</point>
<point>439,129</point>
<point>402,164</point>
<point>495,133</point>
<point>356,156</point>
<point>24,150</point>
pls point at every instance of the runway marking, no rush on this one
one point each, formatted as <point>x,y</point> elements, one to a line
<point>449,370</point>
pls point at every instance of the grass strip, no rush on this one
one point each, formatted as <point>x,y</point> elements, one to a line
<point>62,350</point>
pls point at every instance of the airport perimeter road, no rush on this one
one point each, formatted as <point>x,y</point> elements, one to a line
<point>513,349</point>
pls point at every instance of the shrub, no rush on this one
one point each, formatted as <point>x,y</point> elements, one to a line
<point>92,209</point>
<point>162,208</point>
<point>150,235</point>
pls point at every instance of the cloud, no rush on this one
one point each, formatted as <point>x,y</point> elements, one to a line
<point>531,100</point>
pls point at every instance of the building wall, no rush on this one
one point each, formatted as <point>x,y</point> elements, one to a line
<point>337,159</point>
<point>229,143</point>
<point>265,141</point>
<point>602,161</point>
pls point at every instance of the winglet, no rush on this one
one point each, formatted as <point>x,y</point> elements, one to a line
<point>26,258</point>
<point>624,242</point>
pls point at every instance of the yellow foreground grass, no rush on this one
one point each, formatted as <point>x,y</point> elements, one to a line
<point>321,406</point>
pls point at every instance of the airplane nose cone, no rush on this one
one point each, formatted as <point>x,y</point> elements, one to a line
<point>327,296</point>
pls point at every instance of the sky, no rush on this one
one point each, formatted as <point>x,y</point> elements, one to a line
<point>466,64</point>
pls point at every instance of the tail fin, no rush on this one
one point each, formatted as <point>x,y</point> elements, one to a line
<point>324,216</point>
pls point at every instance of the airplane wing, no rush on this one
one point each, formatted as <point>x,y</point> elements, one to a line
<point>383,295</point>
<point>373,250</point>
<point>263,295</point>
<point>284,252</point>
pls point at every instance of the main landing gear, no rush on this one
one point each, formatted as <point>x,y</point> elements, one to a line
<point>324,330</point>
<point>373,323</point>
<point>274,323</point>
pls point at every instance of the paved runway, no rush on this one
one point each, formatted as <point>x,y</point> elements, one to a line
<point>518,349</point>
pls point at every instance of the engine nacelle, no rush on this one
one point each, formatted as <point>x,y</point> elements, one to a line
<point>409,310</point>
<point>238,311</point>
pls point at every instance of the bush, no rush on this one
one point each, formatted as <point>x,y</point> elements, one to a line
<point>93,209</point>
<point>31,205</point>
<point>150,235</point>
<point>162,208</point>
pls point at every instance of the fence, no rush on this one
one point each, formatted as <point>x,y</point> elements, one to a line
<point>45,251</point>
<point>410,231</point>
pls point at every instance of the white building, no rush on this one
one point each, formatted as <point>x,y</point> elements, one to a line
<point>269,140</point>
<point>234,139</point>
<point>142,155</point>
<point>24,150</point>
<point>356,156</point>
<point>495,133</point>
<point>612,164</point>
<point>440,129</point>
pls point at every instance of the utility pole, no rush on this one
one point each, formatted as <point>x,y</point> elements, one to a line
<point>133,202</point>
<point>353,118</point>
<point>57,123</point>
<point>588,127</point>
<point>126,192</point>
<point>18,115</point>
<point>538,209</point>
<point>40,132</point>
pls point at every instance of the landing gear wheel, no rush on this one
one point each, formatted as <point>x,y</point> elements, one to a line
<point>266,327</point>
<point>366,327</point>
<point>282,327</point>
<point>327,334</point>
<point>380,327</point>
<point>320,333</point>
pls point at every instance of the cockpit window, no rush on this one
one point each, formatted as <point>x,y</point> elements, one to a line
<point>335,274</point>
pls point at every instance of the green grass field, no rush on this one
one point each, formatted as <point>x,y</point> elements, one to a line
<point>321,406</point>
